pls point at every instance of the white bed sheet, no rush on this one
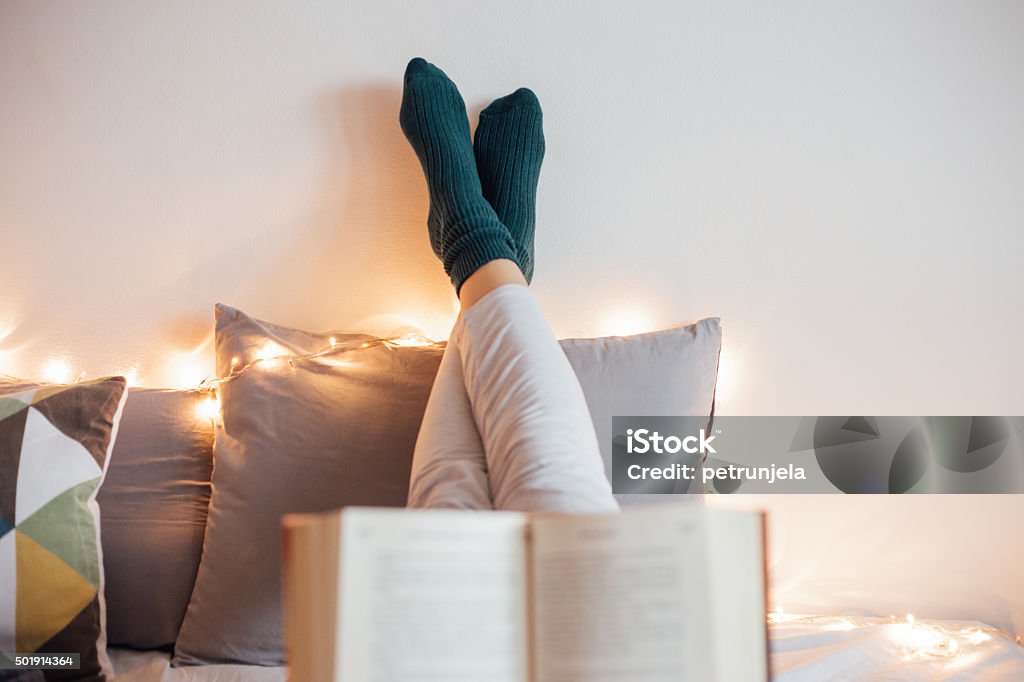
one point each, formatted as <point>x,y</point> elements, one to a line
<point>837,649</point>
<point>803,649</point>
<point>155,666</point>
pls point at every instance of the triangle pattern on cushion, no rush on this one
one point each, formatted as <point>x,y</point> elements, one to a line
<point>50,463</point>
<point>5,527</point>
<point>12,405</point>
<point>80,635</point>
<point>80,412</point>
<point>49,594</point>
<point>12,431</point>
<point>26,396</point>
<point>65,527</point>
<point>8,570</point>
<point>44,392</point>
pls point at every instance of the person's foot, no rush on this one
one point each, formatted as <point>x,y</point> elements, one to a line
<point>465,232</point>
<point>509,148</point>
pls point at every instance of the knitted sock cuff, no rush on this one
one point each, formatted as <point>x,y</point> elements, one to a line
<point>477,247</point>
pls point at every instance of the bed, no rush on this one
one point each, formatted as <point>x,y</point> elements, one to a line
<point>803,649</point>
<point>820,649</point>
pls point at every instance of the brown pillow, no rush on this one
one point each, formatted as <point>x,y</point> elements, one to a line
<point>153,507</point>
<point>305,435</point>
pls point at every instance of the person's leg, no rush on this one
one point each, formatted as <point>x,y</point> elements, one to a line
<point>449,469</point>
<point>464,230</point>
<point>509,148</point>
<point>525,401</point>
<point>539,441</point>
<point>488,278</point>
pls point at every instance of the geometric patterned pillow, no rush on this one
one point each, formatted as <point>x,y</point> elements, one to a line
<point>55,443</point>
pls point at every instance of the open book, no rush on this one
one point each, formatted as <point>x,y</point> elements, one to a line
<point>670,593</point>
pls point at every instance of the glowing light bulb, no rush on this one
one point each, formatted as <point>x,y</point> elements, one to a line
<point>917,639</point>
<point>270,354</point>
<point>624,322</point>
<point>186,371</point>
<point>58,371</point>
<point>6,366</point>
<point>334,342</point>
<point>977,636</point>
<point>410,340</point>
<point>208,407</point>
<point>234,361</point>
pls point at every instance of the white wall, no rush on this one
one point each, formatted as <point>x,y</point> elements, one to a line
<point>843,183</point>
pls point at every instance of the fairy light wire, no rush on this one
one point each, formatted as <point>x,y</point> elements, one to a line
<point>238,367</point>
<point>917,638</point>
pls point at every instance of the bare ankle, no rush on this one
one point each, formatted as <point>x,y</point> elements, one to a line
<point>487,278</point>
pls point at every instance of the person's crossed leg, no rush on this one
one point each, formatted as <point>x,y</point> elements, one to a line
<point>507,425</point>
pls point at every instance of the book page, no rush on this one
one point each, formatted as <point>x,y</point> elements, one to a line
<point>433,596</point>
<point>620,597</point>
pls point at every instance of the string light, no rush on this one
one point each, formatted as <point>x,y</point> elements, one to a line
<point>208,407</point>
<point>409,341</point>
<point>58,371</point>
<point>131,376</point>
<point>915,639</point>
<point>977,636</point>
<point>186,371</point>
<point>272,354</point>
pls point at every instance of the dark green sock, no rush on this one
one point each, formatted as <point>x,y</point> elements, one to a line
<point>465,232</point>
<point>509,148</point>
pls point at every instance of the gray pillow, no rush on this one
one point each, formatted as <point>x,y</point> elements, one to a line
<point>310,434</point>
<point>153,507</point>
<point>672,372</point>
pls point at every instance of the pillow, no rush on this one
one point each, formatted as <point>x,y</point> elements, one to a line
<point>153,507</point>
<point>55,444</point>
<point>934,556</point>
<point>304,435</point>
<point>667,373</point>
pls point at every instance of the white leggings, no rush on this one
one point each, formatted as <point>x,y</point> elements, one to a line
<point>507,426</point>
